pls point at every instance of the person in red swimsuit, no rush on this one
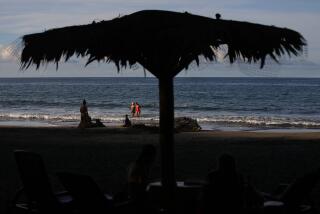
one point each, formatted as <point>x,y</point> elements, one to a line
<point>138,110</point>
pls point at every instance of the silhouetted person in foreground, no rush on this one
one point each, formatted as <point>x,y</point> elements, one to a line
<point>224,192</point>
<point>138,171</point>
<point>138,178</point>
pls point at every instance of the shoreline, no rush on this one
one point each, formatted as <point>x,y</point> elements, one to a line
<point>42,124</point>
<point>310,133</point>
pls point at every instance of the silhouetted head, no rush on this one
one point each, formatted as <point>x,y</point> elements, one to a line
<point>218,16</point>
<point>84,102</point>
<point>148,154</point>
<point>126,116</point>
<point>227,163</point>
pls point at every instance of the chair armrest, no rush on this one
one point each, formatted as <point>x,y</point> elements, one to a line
<point>123,203</point>
<point>17,195</point>
<point>61,193</point>
<point>281,188</point>
<point>64,197</point>
<point>20,206</point>
<point>268,196</point>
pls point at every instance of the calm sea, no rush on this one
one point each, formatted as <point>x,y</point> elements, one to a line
<point>217,103</point>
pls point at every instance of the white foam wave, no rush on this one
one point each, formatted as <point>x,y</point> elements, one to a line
<point>226,120</point>
<point>69,117</point>
<point>258,121</point>
<point>22,116</point>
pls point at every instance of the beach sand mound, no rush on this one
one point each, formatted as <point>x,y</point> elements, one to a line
<point>143,127</point>
<point>186,124</point>
<point>91,124</point>
<point>182,124</point>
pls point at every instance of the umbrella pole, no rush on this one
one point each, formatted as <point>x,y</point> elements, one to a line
<point>168,181</point>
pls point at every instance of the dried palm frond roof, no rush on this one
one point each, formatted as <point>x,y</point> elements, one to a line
<point>161,41</point>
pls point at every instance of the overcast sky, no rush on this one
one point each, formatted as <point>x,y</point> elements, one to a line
<point>19,17</point>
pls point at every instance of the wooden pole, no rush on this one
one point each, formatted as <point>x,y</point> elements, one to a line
<point>168,181</point>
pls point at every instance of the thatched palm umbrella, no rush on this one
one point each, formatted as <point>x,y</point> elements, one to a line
<point>164,43</point>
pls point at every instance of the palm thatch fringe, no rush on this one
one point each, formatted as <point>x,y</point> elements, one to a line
<point>161,41</point>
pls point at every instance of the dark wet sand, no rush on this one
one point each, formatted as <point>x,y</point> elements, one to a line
<point>104,154</point>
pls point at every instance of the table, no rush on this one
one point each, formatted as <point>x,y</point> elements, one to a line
<point>187,195</point>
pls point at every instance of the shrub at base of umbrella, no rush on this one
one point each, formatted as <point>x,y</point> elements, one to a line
<point>164,43</point>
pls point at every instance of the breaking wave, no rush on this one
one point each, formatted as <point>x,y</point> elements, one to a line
<point>263,122</point>
<point>223,120</point>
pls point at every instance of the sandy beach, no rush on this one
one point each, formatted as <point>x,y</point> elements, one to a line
<point>104,154</point>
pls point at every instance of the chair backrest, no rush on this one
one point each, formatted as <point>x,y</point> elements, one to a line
<point>35,181</point>
<point>85,192</point>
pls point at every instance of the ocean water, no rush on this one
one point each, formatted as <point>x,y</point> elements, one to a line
<point>216,103</point>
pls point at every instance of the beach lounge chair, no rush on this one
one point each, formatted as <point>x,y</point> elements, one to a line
<point>293,198</point>
<point>87,195</point>
<point>36,186</point>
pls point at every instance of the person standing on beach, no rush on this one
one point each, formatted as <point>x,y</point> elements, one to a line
<point>132,109</point>
<point>84,111</point>
<point>138,109</point>
<point>85,118</point>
